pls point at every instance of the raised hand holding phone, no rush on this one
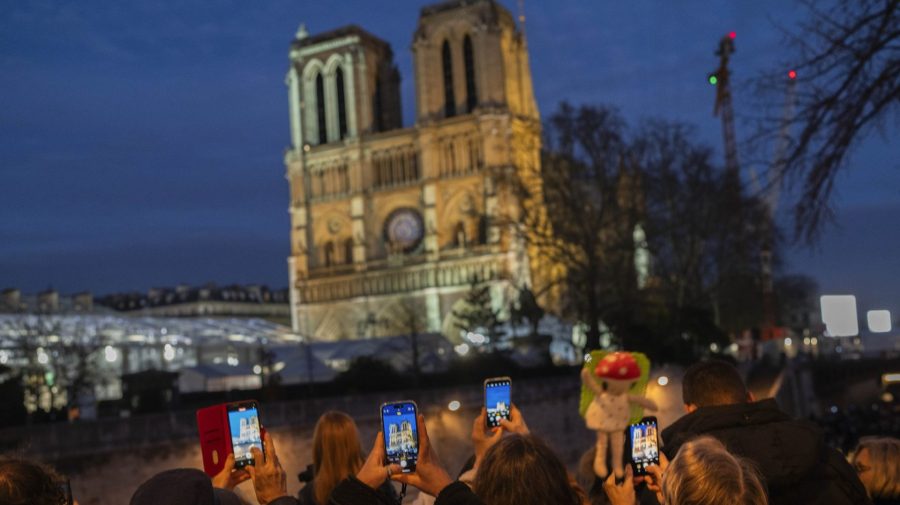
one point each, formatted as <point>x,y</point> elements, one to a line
<point>269,478</point>
<point>400,430</point>
<point>643,444</point>
<point>429,477</point>
<point>497,400</point>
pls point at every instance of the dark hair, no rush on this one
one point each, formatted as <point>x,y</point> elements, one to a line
<point>523,470</point>
<point>26,483</point>
<point>713,382</point>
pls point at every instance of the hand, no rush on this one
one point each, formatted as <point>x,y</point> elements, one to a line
<point>516,423</point>
<point>374,472</point>
<point>620,494</point>
<point>480,438</point>
<point>269,479</point>
<point>429,477</point>
<point>229,478</point>
<point>655,475</point>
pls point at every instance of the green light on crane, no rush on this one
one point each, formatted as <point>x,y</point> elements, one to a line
<point>713,79</point>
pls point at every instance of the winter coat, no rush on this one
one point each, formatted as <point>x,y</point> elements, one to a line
<point>797,465</point>
<point>353,492</point>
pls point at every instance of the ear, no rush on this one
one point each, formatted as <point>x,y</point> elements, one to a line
<point>689,407</point>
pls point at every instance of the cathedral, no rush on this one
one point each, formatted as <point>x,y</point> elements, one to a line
<point>392,226</point>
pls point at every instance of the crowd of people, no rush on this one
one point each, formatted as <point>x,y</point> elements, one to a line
<point>727,448</point>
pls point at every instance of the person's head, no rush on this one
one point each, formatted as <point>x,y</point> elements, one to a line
<point>337,453</point>
<point>713,382</point>
<point>705,473</point>
<point>181,486</point>
<point>877,461</point>
<point>26,483</point>
<point>523,470</point>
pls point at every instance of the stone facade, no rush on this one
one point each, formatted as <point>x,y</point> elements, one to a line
<point>392,225</point>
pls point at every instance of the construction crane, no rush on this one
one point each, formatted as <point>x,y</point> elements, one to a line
<point>720,78</point>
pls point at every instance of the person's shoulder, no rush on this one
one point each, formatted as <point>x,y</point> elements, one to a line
<point>457,493</point>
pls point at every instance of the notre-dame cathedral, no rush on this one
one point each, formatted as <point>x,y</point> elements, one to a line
<point>390,226</point>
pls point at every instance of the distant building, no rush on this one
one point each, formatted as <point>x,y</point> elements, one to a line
<point>209,301</point>
<point>46,302</point>
<point>384,216</point>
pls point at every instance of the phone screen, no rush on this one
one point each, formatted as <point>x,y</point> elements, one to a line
<point>497,400</point>
<point>243,422</point>
<point>401,434</point>
<point>644,442</point>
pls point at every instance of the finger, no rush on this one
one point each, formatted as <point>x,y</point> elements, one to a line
<point>229,463</point>
<point>258,457</point>
<point>251,470</point>
<point>629,476</point>
<point>479,423</point>
<point>270,455</point>
<point>240,476</point>
<point>610,482</point>
<point>424,445</point>
<point>378,448</point>
<point>395,469</point>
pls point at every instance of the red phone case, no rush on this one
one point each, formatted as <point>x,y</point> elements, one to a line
<point>215,437</point>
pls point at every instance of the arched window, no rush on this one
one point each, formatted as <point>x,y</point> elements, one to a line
<point>471,92</point>
<point>320,108</point>
<point>348,251</point>
<point>341,102</point>
<point>329,254</point>
<point>449,99</point>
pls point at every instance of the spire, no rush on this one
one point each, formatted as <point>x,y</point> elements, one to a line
<point>301,32</point>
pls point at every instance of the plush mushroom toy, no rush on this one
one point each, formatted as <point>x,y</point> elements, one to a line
<point>610,409</point>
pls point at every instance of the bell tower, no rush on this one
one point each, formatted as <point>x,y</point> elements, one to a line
<point>470,55</point>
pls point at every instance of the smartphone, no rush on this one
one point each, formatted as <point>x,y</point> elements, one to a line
<point>643,441</point>
<point>243,424</point>
<point>497,400</point>
<point>399,421</point>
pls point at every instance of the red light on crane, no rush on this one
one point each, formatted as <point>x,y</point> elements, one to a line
<point>792,75</point>
<point>732,35</point>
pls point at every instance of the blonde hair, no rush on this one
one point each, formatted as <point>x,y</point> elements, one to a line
<point>705,473</point>
<point>337,453</point>
<point>884,453</point>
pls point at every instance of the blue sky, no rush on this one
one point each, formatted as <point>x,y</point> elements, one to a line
<point>141,142</point>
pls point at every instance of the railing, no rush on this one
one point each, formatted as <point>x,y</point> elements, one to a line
<point>429,275</point>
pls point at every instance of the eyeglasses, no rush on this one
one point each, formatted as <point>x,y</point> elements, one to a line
<point>65,493</point>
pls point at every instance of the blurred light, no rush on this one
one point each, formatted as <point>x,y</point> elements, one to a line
<point>257,369</point>
<point>453,406</point>
<point>42,356</point>
<point>890,378</point>
<point>587,358</point>
<point>168,352</point>
<point>713,79</point>
<point>662,380</point>
<point>834,409</point>
<point>788,342</point>
<point>110,353</point>
<point>805,340</point>
<point>4,357</point>
<point>733,348</point>
<point>887,397</point>
<point>475,338</point>
<point>814,341</point>
<point>278,367</point>
<point>714,347</point>
<point>732,35</point>
<point>232,360</point>
<point>792,75</point>
<point>879,321</point>
<point>839,315</point>
<point>462,349</point>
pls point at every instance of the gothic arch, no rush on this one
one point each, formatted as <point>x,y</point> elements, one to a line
<point>311,71</point>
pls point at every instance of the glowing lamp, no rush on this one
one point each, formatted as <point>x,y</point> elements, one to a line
<point>713,79</point>
<point>792,75</point>
<point>732,35</point>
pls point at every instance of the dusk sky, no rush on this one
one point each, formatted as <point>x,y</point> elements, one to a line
<point>141,142</point>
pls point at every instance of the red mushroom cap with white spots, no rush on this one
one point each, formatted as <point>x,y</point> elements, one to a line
<point>618,366</point>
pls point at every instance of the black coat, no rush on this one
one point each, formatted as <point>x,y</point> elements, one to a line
<point>353,492</point>
<point>791,455</point>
